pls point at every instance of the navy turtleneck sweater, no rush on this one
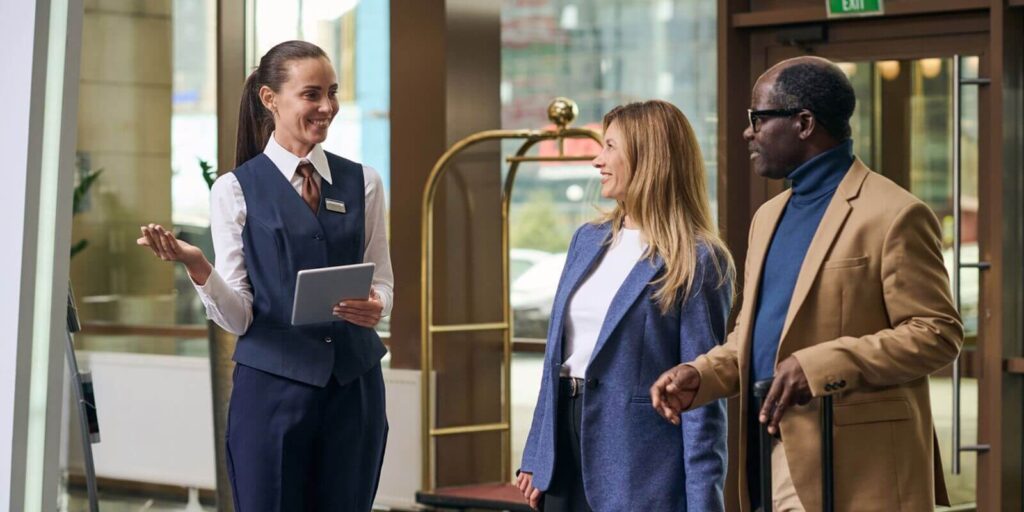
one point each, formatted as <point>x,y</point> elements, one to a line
<point>813,184</point>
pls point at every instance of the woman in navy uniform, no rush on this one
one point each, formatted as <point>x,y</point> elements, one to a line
<point>307,426</point>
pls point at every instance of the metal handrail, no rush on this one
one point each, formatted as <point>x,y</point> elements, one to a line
<point>958,82</point>
<point>163,331</point>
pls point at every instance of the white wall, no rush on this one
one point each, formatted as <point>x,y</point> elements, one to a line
<point>17,38</point>
<point>401,475</point>
<point>156,419</point>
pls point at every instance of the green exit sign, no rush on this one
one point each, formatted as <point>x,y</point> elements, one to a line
<point>844,8</point>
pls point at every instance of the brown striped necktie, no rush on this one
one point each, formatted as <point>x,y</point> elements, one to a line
<point>310,190</point>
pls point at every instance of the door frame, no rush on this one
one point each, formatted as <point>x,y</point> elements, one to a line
<point>750,40</point>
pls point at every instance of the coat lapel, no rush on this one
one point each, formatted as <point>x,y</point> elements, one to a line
<point>768,219</point>
<point>636,282</point>
<point>831,223</point>
<point>587,250</point>
<point>757,251</point>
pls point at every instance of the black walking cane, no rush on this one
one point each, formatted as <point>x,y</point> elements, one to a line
<point>764,444</point>
<point>827,477</point>
<point>765,452</point>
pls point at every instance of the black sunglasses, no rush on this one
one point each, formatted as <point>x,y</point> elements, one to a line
<point>754,116</point>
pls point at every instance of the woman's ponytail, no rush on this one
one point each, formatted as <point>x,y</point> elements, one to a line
<point>255,123</point>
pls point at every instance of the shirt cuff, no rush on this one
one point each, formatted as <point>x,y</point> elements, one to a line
<point>385,301</point>
<point>215,286</point>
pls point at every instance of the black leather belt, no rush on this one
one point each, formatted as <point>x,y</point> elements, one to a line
<point>572,385</point>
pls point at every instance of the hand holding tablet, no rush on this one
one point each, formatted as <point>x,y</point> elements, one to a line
<point>318,293</point>
<point>365,312</point>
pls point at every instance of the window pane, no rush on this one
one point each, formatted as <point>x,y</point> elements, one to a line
<point>601,54</point>
<point>354,34</point>
<point>147,119</point>
<point>911,102</point>
<point>147,126</point>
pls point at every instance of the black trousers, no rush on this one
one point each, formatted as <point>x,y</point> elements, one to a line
<point>566,491</point>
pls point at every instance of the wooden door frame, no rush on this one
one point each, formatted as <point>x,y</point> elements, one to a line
<point>747,45</point>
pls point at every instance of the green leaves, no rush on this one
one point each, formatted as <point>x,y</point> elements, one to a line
<point>78,246</point>
<point>209,173</point>
<point>86,180</point>
<point>88,177</point>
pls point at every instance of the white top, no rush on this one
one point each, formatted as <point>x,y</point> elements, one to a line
<point>227,293</point>
<point>589,305</point>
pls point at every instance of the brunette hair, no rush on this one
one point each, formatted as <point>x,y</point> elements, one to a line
<point>255,122</point>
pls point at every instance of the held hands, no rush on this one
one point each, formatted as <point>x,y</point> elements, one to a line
<point>167,247</point>
<point>789,387</point>
<point>674,391</point>
<point>525,484</point>
<point>364,313</point>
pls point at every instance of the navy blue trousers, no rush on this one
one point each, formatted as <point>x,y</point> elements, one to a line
<point>296,447</point>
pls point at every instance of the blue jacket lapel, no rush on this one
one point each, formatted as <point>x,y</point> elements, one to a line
<point>636,282</point>
<point>584,253</point>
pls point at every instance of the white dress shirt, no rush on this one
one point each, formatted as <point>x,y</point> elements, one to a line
<point>227,294</point>
<point>589,305</point>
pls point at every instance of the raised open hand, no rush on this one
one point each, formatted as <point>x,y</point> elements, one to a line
<point>167,247</point>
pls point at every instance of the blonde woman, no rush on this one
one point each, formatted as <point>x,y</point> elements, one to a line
<point>645,287</point>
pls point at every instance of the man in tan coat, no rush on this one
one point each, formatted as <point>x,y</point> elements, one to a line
<point>846,295</point>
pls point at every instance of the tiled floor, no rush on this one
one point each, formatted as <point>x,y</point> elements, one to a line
<point>77,501</point>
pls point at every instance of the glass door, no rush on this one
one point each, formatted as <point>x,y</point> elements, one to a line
<point>925,119</point>
<point>917,122</point>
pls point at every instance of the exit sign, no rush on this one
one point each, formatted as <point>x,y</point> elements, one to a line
<point>844,8</point>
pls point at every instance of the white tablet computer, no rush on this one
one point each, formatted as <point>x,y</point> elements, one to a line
<point>318,290</point>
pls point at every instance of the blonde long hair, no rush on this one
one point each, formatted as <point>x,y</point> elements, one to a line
<point>667,195</point>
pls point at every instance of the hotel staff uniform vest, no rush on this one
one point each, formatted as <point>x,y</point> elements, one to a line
<point>283,236</point>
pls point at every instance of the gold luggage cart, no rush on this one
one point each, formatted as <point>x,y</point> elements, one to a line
<point>500,495</point>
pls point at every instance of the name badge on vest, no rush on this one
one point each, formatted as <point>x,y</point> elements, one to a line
<point>335,206</point>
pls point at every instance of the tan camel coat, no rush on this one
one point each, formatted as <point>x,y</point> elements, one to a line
<point>871,317</point>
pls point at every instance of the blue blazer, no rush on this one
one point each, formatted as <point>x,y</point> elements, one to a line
<point>633,459</point>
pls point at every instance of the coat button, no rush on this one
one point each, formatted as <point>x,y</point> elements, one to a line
<point>828,387</point>
<point>842,383</point>
<point>591,383</point>
<point>328,339</point>
<point>317,237</point>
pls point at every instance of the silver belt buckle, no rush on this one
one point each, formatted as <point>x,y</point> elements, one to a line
<point>575,387</point>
